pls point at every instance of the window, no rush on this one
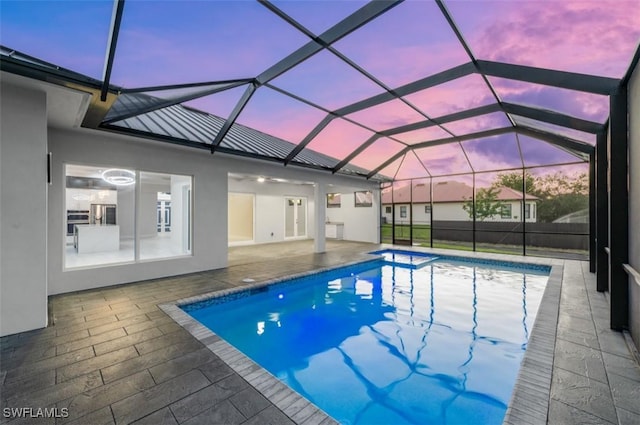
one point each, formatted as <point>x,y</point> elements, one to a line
<point>333,200</point>
<point>427,209</point>
<point>403,211</point>
<point>387,210</point>
<point>505,211</point>
<point>527,210</point>
<point>363,199</point>
<point>105,222</point>
<point>169,196</point>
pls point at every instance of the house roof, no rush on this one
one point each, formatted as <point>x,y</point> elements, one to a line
<point>446,191</point>
<point>183,123</point>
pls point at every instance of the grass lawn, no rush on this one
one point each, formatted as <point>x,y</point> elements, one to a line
<point>421,232</point>
<point>422,237</point>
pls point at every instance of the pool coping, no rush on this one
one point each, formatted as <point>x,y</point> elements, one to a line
<point>529,401</point>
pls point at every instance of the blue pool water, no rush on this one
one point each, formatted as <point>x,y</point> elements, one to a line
<point>383,343</point>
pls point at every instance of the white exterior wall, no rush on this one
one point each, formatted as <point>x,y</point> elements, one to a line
<point>86,147</point>
<point>634,202</point>
<point>209,193</point>
<point>454,211</point>
<point>270,204</point>
<point>269,207</point>
<point>357,220</point>
<point>23,210</point>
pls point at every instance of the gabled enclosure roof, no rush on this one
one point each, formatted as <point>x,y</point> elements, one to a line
<point>382,89</point>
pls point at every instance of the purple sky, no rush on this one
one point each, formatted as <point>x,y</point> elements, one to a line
<point>170,42</point>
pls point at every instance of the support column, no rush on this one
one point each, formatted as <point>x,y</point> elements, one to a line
<point>592,213</point>
<point>618,211</point>
<point>23,200</point>
<point>602,215</point>
<point>320,198</point>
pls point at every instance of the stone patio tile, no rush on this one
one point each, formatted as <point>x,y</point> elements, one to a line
<point>581,360</point>
<point>135,364</point>
<point>626,393</point>
<point>161,417</point>
<point>200,401</point>
<point>126,340</point>
<point>560,413</point>
<point>52,395</point>
<point>22,372</point>
<point>96,328</point>
<point>249,402</point>
<point>270,416</point>
<point>588,340</point>
<point>164,341</point>
<point>583,393</point>
<point>142,404</point>
<point>89,341</point>
<point>223,413</point>
<point>99,417</point>
<point>613,342</point>
<point>105,395</point>
<point>216,370</point>
<point>85,366</point>
<point>30,384</point>
<point>623,366</point>
<point>576,324</point>
<point>180,365</point>
<point>626,417</point>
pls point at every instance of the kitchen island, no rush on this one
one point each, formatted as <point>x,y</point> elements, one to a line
<point>96,238</point>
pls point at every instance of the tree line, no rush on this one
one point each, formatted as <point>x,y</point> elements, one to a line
<point>558,194</point>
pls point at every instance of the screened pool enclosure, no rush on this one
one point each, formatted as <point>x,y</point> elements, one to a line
<point>481,120</point>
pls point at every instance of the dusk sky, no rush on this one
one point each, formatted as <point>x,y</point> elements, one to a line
<point>172,42</point>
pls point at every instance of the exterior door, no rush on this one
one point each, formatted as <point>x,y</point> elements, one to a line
<point>295,217</point>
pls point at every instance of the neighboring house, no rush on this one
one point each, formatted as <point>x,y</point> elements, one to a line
<point>449,198</point>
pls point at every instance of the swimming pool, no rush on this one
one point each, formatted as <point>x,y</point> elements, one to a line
<point>408,339</point>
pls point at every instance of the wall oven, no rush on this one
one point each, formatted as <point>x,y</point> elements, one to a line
<point>76,217</point>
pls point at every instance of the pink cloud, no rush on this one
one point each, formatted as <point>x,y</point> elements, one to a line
<point>479,123</point>
<point>444,159</point>
<point>391,114</point>
<point>411,167</point>
<point>327,81</point>
<point>422,135</point>
<point>219,104</point>
<point>376,154</point>
<point>391,169</point>
<point>168,43</point>
<point>493,153</point>
<point>591,37</point>
<point>463,93</point>
<point>537,152</point>
<point>279,115</point>
<point>339,138</point>
<point>406,43</point>
<point>579,104</point>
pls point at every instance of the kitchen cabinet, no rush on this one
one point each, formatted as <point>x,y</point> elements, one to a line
<point>334,230</point>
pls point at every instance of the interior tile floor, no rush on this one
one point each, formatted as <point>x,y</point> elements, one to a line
<point>112,357</point>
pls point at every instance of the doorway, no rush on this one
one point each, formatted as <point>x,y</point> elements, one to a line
<point>295,217</point>
<point>241,216</point>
